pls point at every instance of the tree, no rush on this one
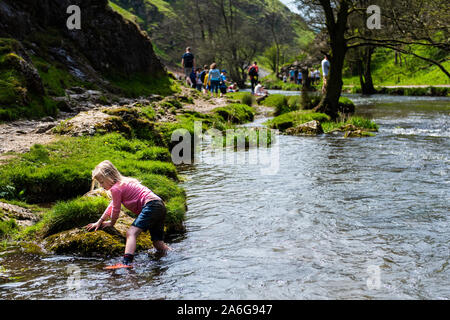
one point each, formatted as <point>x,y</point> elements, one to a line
<point>407,23</point>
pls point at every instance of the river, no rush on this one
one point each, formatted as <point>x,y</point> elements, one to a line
<point>361,218</point>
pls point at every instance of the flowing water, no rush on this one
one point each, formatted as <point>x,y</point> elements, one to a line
<point>362,218</point>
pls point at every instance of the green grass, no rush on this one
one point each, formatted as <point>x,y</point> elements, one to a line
<point>8,228</point>
<point>17,99</point>
<point>245,138</point>
<point>413,71</point>
<point>279,102</point>
<point>141,84</point>
<point>235,113</point>
<point>241,97</point>
<point>285,104</point>
<point>62,170</point>
<point>76,213</point>
<point>295,118</point>
<point>125,13</point>
<point>359,122</point>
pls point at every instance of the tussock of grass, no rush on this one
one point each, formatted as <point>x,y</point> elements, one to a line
<point>359,122</point>
<point>75,213</point>
<point>235,113</point>
<point>241,97</point>
<point>295,118</point>
<point>62,170</point>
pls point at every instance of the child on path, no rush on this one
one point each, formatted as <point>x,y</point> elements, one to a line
<point>138,199</point>
<point>223,83</point>
<point>199,83</point>
<point>206,85</point>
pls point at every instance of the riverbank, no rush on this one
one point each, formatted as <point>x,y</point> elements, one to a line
<point>50,176</point>
<point>293,115</point>
<point>352,86</point>
<point>344,207</point>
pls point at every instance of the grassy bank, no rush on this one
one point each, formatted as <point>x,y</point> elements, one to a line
<point>57,175</point>
<point>293,111</point>
<point>408,70</point>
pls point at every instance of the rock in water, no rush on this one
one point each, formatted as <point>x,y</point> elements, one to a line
<point>309,128</point>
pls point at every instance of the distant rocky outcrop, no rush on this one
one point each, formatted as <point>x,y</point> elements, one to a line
<point>40,57</point>
<point>109,42</point>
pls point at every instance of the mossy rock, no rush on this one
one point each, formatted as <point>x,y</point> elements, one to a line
<point>107,242</point>
<point>31,248</point>
<point>346,105</point>
<point>309,128</point>
<point>236,113</point>
<point>357,134</point>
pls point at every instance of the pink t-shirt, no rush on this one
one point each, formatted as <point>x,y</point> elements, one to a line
<point>133,195</point>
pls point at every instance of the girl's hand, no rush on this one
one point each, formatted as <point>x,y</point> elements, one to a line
<point>96,225</point>
<point>107,224</point>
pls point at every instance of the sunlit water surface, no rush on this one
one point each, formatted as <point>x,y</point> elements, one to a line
<point>363,218</point>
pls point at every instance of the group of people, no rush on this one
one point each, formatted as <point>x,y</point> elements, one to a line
<point>314,75</point>
<point>297,77</point>
<point>210,79</point>
<point>149,207</point>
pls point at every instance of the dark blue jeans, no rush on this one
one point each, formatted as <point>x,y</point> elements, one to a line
<point>152,218</point>
<point>215,86</point>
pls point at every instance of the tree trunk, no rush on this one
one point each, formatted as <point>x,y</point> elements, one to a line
<point>365,73</point>
<point>306,83</point>
<point>330,100</point>
<point>336,29</point>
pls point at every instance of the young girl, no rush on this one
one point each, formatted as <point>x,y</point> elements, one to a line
<point>138,199</point>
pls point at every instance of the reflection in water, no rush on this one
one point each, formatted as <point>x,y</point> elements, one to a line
<point>342,218</point>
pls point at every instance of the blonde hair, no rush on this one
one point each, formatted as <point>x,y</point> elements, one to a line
<point>213,65</point>
<point>109,172</point>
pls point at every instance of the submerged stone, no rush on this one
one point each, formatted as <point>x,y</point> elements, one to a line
<point>357,134</point>
<point>104,242</point>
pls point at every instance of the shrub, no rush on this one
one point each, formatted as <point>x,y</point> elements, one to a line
<point>277,101</point>
<point>247,99</point>
<point>7,228</point>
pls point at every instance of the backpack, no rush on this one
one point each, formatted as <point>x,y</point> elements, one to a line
<point>188,60</point>
<point>202,75</point>
<point>252,71</point>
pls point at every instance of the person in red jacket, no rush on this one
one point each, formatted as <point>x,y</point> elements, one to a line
<point>253,74</point>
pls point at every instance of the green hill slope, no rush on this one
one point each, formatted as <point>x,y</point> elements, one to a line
<point>407,70</point>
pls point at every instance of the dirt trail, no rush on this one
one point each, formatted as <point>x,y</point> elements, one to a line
<point>19,136</point>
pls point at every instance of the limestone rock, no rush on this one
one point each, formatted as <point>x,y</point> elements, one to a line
<point>105,242</point>
<point>309,128</point>
<point>24,217</point>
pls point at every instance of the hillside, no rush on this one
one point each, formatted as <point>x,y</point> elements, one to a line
<point>40,57</point>
<point>174,24</point>
<point>387,70</point>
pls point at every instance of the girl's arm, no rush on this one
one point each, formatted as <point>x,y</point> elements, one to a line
<point>115,205</point>
<point>113,211</point>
